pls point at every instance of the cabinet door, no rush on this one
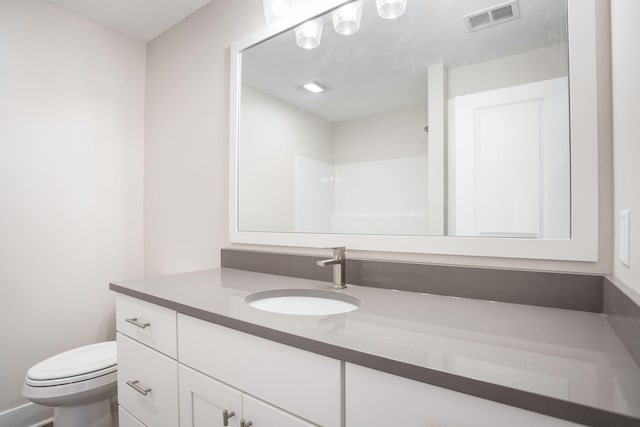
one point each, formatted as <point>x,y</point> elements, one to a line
<point>377,399</point>
<point>203,400</point>
<point>262,414</point>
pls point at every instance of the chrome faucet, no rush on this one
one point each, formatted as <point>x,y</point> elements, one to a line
<point>338,263</point>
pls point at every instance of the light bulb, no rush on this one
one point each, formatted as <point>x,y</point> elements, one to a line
<point>308,34</point>
<point>346,19</point>
<point>391,9</point>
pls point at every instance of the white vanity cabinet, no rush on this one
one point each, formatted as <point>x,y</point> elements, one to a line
<point>177,370</point>
<point>378,399</point>
<point>205,402</point>
<point>301,382</point>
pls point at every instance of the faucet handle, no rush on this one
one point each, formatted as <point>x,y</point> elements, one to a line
<point>338,251</point>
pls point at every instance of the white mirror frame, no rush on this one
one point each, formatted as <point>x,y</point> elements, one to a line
<point>583,245</point>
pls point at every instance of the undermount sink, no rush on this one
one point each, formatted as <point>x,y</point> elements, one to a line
<point>306,302</point>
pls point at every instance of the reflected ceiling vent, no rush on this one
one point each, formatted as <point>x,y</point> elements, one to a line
<point>495,15</point>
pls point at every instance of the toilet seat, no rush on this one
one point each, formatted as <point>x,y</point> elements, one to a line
<point>74,393</point>
<point>71,379</point>
<point>79,364</point>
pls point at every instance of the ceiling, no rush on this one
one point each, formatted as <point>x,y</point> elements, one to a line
<point>141,19</point>
<point>383,66</point>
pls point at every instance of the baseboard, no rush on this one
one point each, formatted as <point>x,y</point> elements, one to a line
<point>27,415</point>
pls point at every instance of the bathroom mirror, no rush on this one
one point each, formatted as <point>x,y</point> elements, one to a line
<point>450,121</point>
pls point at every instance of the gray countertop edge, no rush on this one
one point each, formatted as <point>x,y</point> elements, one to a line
<point>557,408</point>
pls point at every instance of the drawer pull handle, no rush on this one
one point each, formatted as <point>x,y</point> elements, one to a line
<point>225,417</point>
<point>244,423</point>
<point>134,321</point>
<point>135,385</point>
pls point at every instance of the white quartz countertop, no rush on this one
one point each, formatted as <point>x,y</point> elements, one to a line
<point>567,355</point>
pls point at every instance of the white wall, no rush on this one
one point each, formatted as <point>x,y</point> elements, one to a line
<point>186,150</point>
<point>526,67</point>
<point>186,140</point>
<point>368,150</point>
<point>285,152</point>
<point>71,152</point>
<point>625,34</point>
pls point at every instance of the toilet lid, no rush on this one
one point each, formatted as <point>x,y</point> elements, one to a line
<point>76,362</point>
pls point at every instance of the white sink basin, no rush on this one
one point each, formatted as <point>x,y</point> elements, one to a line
<point>305,302</point>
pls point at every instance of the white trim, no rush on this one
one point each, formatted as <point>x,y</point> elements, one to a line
<point>583,246</point>
<point>437,109</point>
<point>29,414</point>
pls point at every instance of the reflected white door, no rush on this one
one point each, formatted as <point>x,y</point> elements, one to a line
<point>509,162</point>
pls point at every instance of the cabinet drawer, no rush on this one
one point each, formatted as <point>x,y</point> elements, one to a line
<point>153,371</point>
<point>148,323</point>
<point>125,419</point>
<point>299,381</point>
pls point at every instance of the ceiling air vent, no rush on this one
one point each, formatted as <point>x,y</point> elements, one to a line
<point>492,16</point>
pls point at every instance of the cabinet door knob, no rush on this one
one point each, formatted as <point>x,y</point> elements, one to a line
<point>244,423</point>
<point>134,321</point>
<point>225,417</point>
<point>136,386</point>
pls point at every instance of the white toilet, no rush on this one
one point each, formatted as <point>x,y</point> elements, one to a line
<point>80,384</point>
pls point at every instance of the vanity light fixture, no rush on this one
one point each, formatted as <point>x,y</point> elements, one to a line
<point>346,19</point>
<point>308,34</point>
<point>315,87</point>
<point>391,9</point>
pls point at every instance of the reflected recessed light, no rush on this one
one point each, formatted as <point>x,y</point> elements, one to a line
<point>315,87</point>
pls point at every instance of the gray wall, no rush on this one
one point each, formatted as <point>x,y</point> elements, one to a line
<point>186,154</point>
<point>71,152</point>
<point>186,136</point>
<point>625,34</point>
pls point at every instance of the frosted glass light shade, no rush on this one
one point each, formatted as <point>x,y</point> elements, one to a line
<point>391,9</point>
<point>308,34</point>
<point>346,19</point>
